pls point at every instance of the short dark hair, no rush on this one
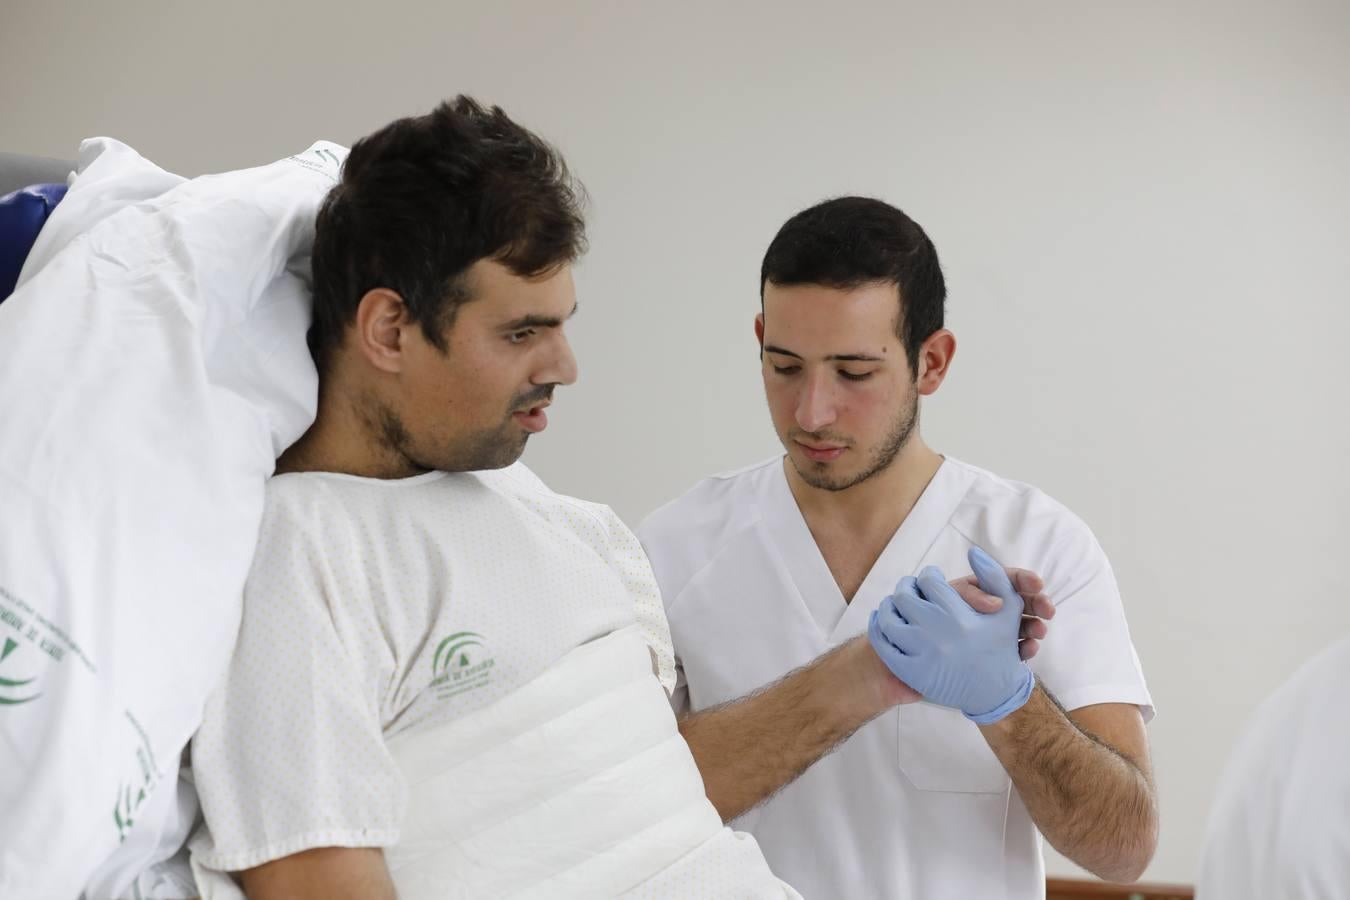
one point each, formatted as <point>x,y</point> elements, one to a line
<point>423,199</point>
<point>847,242</point>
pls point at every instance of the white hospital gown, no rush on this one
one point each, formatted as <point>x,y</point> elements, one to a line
<point>378,611</point>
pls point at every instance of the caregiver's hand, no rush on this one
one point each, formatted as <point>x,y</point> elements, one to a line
<point>931,639</point>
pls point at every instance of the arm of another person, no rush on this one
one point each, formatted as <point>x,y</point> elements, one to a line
<point>325,873</point>
<point>1086,776</point>
<point>748,749</point>
<point>1086,779</point>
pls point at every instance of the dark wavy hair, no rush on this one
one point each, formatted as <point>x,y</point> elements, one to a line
<point>423,199</point>
<point>847,242</point>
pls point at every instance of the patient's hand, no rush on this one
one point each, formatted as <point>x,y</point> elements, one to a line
<point>1038,608</point>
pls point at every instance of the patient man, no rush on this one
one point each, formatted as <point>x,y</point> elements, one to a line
<point>449,679</point>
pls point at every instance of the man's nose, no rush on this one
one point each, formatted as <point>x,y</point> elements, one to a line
<point>560,367</point>
<point>815,407</point>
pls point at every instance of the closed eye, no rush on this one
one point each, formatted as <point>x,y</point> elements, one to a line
<point>787,370</point>
<point>856,376</point>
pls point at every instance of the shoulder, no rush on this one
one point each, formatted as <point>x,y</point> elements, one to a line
<point>1002,507</point>
<point>708,509</point>
<point>562,510</point>
<point>290,491</point>
<point>1285,777</point>
<point>324,522</point>
<point>1022,525</point>
<point>294,506</point>
<point>1290,733</point>
<point>521,483</point>
<point>298,533</point>
<point>685,534</point>
<point>1297,704</point>
<point>323,504</point>
<point>517,477</point>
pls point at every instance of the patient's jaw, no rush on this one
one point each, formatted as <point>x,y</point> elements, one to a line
<point>393,404</point>
<point>474,406</point>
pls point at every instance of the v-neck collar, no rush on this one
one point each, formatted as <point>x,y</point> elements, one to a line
<point>836,619</point>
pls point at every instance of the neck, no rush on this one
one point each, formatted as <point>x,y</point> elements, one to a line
<point>876,505</point>
<point>345,438</point>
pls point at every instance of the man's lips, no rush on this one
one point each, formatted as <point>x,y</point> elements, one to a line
<point>821,452</point>
<point>533,419</point>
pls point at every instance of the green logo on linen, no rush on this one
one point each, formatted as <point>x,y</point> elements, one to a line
<point>133,791</point>
<point>460,664</point>
<point>20,625</point>
<point>11,688</point>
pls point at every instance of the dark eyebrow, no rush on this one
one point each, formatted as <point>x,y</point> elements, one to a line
<point>835,357</point>
<point>538,321</point>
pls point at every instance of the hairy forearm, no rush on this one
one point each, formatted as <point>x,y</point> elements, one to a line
<point>749,748</point>
<point>1093,804</point>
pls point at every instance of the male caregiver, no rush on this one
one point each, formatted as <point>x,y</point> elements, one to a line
<point>772,575</point>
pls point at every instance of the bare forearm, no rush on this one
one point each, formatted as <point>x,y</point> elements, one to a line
<point>747,749</point>
<point>330,873</point>
<point>1091,801</point>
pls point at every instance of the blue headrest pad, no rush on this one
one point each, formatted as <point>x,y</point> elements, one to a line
<point>22,215</point>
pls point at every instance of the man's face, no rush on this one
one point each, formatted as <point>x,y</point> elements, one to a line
<point>475,406</point>
<point>839,386</point>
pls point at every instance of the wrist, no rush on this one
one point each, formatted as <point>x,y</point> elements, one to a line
<point>1015,702</point>
<point>868,685</point>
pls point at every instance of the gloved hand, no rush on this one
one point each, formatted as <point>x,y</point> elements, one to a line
<point>954,656</point>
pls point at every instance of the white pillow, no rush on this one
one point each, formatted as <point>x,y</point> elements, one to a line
<point>152,367</point>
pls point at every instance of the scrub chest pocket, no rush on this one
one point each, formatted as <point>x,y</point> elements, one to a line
<point>939,749</point>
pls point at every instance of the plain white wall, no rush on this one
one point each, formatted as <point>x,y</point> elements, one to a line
<point>1143,213</point>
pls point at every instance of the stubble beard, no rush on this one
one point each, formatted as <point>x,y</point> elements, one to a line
<point>489,448</point>
<point>818,475</point>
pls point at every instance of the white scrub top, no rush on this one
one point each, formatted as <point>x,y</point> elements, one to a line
<point>1280,826</point>
<point>915,804</point>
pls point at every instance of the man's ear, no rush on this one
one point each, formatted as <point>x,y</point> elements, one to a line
<point>935,360</point>
<point>759,330</point>
<point>381,329</point>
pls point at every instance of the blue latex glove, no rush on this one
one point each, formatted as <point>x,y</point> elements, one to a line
<point>934,642</point>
